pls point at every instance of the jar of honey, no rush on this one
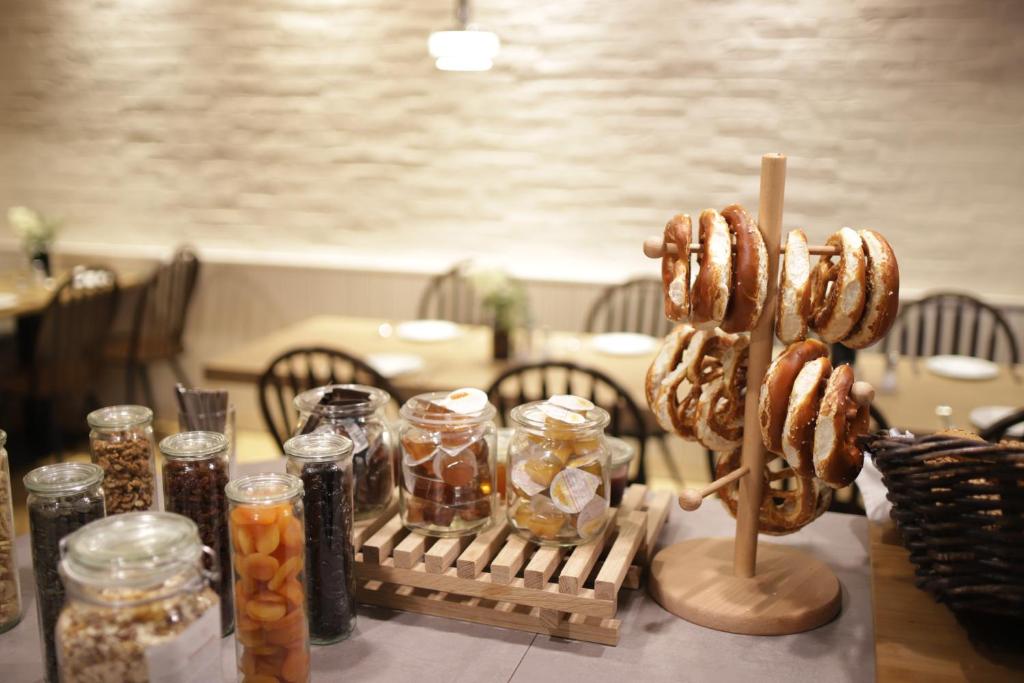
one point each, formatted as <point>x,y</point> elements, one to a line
<point>448,483</point>
<point>558,471</point>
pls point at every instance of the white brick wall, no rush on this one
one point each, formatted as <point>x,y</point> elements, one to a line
<point>321,127</point>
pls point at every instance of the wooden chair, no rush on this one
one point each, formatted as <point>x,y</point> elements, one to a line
<point>997,430</point>
<point>633,306</point>
<point>158,324</point>
<point>952,323</point>
<point>66,353</point>
<point>297,370</point>
<point>538,381</point>
<point>450,296</point>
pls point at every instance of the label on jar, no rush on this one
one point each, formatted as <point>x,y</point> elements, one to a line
<point>357,434</point>
<point>193,655</point>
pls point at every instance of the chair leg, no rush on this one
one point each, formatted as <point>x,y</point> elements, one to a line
<point>641,471</point>
<point>147,387</point>
<point>179,371</point>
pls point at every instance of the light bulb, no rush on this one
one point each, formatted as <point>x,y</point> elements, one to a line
<point>467,49</point>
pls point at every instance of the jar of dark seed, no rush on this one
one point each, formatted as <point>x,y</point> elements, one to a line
<point>195,472</point>
<point>10,589</point>
<point>324,464</point>
<point>356,412</point>
<point>121,442</point>
<point>62,498</point>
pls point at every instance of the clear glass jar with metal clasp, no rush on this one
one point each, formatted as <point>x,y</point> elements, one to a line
<point>121,442</point>
<point>139,606</point>
<point>10,588</point>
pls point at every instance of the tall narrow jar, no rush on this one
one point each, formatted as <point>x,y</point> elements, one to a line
<point>268,552</point>
<point>10,588</point>
<point>121,442</point>
<point>324,463</point>
<point>62,498</point>
<point>195,472</point>
<point>139,604</point>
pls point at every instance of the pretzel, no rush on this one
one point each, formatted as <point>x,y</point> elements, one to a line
<point>749,271</point>
<point>720,407</point>
<point>794,307</point>
<point>840,420</point>
<point>801,414</point>
<point>837,290</point>
<point>783,510</point>
<point>883,292</point>
<point>668,358</point>
<point>778,381</point>
<point>675,268</point>
<point>709,297</point>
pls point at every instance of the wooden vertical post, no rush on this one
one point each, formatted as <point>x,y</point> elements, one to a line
<point>769,218</point>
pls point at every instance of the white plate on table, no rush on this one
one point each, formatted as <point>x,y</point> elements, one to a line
<point>624,344</point>
<point>985,416</point>
<point>428,330</point>
<point>962,367</point>
<point>8,300</point>
<point>395,364</point>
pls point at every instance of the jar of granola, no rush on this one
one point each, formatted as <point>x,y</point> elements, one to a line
<point>448,462</point>
<point>268,556</point>
<point>121,442</point>
<point>558,471</point>
<point>139,606</point>
<point>356,412</point>
<point>10,589</point>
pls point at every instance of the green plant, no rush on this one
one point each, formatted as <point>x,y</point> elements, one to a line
<point>35,230</point>
<point>500,295</point>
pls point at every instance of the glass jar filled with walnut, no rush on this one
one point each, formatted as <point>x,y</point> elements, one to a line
<point>10,589</point>
<point>121,442</point>
<point>558,471</point>
<point>139,606</point>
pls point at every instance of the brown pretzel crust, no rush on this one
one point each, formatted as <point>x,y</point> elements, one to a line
<point>675,268</point>
<point>882,297</point>
<point>749,271</point>
<point>837,458</point>
<point>709,297</point>
<point>777,386</point>
<point>794,300</point>
<point>837,289</point>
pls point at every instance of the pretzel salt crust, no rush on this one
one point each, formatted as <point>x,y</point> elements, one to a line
<point>838,289</point>
<point>749,271</point>
<point>709,297</point>
<point>783,510</point>
<point>883,292</point>
<point>668,358</point>
<point>840,420</point>
<point>720,407</point>
<point>675,268</point>
<point>773,403</point>
<point>794,307</point>
<point>801,413</point>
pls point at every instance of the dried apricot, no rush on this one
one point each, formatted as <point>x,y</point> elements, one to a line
<point>292,590</point>
<point>243,540</point>
<point>267,538</point>
<point>251,638</point>
<point>258,567</point>
<point>292,533</point>
<point>262,515</point>
<point>288,569</point>
<point>261,610</point>
<point>296,666</point>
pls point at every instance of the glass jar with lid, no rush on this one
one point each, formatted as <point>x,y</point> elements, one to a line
<point>356,412</point>
<point>558,471</point>
<point>139,605</point>
<point>10,588</point>
<point>324,464</point>
<point>121,442</point>
<point>194,474</point>
<point>448,447</point>
<point>62,499</point>
<point>268,554</point>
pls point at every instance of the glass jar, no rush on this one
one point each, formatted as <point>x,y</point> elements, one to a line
<point>139,606</point>
<point>195,472</point>
<point>121,442</point>
<point>10,588</point>
<point>62,499</point>
<point>447,486</point>
<point>558,472</point>
<point>621,455</point>
<point>324,464</point>
<point>357,413</point>
<point>268,551</point>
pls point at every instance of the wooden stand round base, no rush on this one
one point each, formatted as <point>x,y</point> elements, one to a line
<point>790,592</point>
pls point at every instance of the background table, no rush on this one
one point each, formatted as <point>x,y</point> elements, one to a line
<point>33,296</point>
<point>654,645</point>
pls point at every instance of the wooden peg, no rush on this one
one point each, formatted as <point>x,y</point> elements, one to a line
<point>863,393</point>
<point>654,247</point>
<point>690,499</point>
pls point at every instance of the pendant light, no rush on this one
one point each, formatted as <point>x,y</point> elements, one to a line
<point>464,47</point>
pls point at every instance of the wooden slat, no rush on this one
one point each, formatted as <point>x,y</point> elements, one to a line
<point>632,499</point>
<point>365,528</point>
<point>633,575</point>
<point>378,547</point>
<point>581,561</point>
<point>509,560</point>
<point>474,558</point>
<point>410,550</point>
<point>443,553</point>
<point>542,565</point>
<point>612,574</point>
<point>658,506</point>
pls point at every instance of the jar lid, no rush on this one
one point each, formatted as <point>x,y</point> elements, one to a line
<point>119,417</point>
<point>64,478</point>
<point>321,446</point>
<point>309,401</point>
<point>535,415</point>
<point>622,451</point>
<point>193,445</point>
<point>263,489</point>
<point>131,550</point>
<point>432,408</point>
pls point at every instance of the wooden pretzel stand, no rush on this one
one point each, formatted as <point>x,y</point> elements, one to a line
<point>735,585</point>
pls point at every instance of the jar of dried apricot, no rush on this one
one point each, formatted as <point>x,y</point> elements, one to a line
<point>268,551</point>
<point>558,467</point>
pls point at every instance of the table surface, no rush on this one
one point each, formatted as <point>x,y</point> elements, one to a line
<point>396,646</point>
<point>32,296</point>
<point>916,638</point>
<point>466,361</point>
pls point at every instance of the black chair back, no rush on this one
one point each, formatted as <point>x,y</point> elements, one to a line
<point>538,381</point>
<point>162,308</point>
<point>952,323</point>
<point>298,370</point>
<point>450,296</point>
<point>997,430</point>
<point>633,306</point>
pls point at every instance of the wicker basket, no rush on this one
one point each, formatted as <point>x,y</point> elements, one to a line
<point>959,504</point>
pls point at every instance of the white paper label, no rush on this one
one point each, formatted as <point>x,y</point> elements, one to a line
<point>357,434</point>
<point>193,655</point>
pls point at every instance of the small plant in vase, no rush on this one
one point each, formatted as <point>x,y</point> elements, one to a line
<point>505,300</point>
<point>36,233</point>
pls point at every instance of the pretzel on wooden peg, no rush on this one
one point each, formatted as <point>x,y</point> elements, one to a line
<point>654,247</point>
<point>691,499</point>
